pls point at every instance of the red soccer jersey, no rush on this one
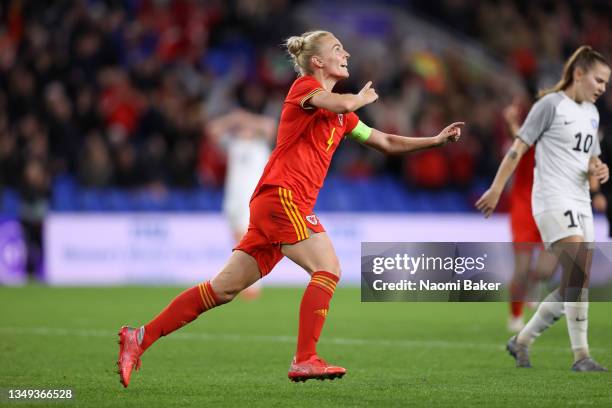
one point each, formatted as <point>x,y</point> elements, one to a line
<point>306,141</point>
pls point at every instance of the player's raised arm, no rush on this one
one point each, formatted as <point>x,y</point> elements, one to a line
<point>239,119</point>
<point>395,144</point>
<point>487,203</point>
<point>344,103</point>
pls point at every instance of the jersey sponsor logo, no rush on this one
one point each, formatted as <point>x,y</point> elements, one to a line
<point>341,118</point>
<point>594,123</point>
<point>312,219</point>
<point>321,312</point>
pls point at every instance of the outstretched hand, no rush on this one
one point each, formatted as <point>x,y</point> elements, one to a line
<point>368,94</point>
<point>451,133</point>
<point>487,203</point>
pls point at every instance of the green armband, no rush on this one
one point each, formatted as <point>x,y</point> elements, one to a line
<point>361,133</point>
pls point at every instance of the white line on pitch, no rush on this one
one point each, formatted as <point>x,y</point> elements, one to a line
<point>442,344</point>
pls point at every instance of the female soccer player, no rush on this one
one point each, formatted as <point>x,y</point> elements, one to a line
<point>525,235</point>
<point>246,136</point>
<point>524,230</point>
<point>564,123</point>
<point>313,122</point>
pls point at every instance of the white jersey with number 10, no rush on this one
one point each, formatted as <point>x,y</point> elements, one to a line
<point>565,133</point>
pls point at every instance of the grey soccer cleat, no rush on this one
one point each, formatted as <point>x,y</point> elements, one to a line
<point>588,364</point>
<point>520,352</point>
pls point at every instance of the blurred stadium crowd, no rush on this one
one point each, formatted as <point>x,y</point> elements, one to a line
<point>117,94</point>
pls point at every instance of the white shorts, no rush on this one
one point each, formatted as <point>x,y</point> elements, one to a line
<point>558,224</point>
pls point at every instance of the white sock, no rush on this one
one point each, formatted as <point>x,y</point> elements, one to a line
<point>577,314</point>
<point>549,311</point>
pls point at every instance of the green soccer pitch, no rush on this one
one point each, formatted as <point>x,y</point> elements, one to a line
<point>396,354</point>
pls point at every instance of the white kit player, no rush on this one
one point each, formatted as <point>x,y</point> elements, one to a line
<point>246,137</point>
<point>563,124</point>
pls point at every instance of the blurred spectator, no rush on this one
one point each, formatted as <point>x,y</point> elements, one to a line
<point>34,191</point>
<point>10,164</point>
<point>95,168</point>
<point>63,135</point>
<point>127,172</point>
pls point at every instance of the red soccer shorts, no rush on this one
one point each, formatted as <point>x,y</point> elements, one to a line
<point>524,228</point>
<point>275,219</point>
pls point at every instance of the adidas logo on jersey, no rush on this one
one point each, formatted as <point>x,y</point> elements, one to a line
<point>321,312</point>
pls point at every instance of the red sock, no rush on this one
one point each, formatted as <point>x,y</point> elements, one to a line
<point>183,309</point>
<point>313,310</point>
<point>516,308</point>
<point>517,294</point>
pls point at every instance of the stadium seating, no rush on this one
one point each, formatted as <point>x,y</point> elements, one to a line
<point>377,194</point>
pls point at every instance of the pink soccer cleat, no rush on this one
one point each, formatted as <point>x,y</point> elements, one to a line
<point>129,354</point>
<point>314,368</point>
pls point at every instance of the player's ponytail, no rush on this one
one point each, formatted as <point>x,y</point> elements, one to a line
<point>584,57</point>
<point>302,48</point>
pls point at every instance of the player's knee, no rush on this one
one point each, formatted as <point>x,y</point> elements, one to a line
<point>227,294</point>
<point>333,267</point>
<point>225,290</point>
<point>329,264</point>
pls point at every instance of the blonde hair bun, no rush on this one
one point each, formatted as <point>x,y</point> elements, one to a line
<point>302,48</point>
